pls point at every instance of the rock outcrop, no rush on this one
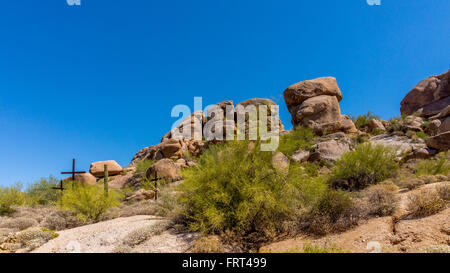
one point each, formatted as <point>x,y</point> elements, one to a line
<point>97,169</point>
<point>179,141</point>
<point>85,178</point>
<point>429,97</point>
<point>315,104</point>
<point>165,168</point>
<point>440,142</point>
<point>347,125</point>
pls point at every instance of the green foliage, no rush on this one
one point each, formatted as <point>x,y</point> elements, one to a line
<point>10,197</point>
<point>236,189</point>
<point>441,165</point>
<point>422,135</point>
<point>362,121</point>
<point>366,165</point>
<point>41,192</point>
<point>143,165</point>
<point>88,202</point>
<point>51,232</point>
<point>298,138</point>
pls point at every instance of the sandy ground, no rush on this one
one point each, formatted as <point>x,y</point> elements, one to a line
<point>103,237</point>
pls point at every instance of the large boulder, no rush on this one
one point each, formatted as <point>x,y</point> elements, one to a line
<point>85,178</point>
<point>433,127</point>
<point>440,142</point>
<point>445,126</point>
<point>299,92</point>
<point>141,195</point>
<point>166,169</point>
<point>171,148</point>
<point>280,162</point>
<point>98,168</point>
<point>330,150</point>
<point>429,97</point>
<point>376,124</point>
<point>347,125</point>
<point>321,113</point>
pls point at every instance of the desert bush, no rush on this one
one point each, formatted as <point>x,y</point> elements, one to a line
<point>362,121</point>
<point>444,192</point>
<point>333,212</point>
<point>425,203</point>
<point>61,220</point>
<point>235,188</point>
<point>328,247</point>
<point>41,192</point>
<point>298,138</point>
<point>10,197</point>
<point>141,235</point>
<point>122,249</point>
<point>88,202</point>
<point>20,223</point>
<point>381,200</point>
<point>207,244</point>
<point>368,164</point>
<point>33,238</point>
<point>441,165</point>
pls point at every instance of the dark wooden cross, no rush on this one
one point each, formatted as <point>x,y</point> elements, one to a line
<point>73,172</point>
<point>61,188</point>
<point>156,185</point>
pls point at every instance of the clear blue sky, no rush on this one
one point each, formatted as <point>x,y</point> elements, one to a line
<point>98,81</point>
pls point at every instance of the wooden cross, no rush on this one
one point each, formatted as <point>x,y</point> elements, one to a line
<point>73,172</point>
<point>60,186</point>
<point>156,185</point>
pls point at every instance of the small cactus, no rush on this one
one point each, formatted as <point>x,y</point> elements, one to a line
<point>105,183</point>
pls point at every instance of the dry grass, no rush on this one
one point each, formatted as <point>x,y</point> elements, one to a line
<point>141,235</point>
<point>425,203</point>
<point>382,200</point>
<point>208,244</point>
<point>20,223</point>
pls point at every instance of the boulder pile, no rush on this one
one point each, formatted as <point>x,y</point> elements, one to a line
<point>315,104</point>
<point>174,146</point>
<point>431,99</point>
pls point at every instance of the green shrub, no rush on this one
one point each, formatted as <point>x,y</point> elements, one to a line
<point>10,197</point>
<point>88,202</point>
<point>41,192</point>
<point>236,189</point>
<point>422,135</point>
<point>298,138</point>
<point>441,165</point>
<point>366,165</point>
<point>143,165</point>
<point>362,121</point>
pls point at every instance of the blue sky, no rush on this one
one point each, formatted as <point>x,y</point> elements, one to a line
<point>98,81</point>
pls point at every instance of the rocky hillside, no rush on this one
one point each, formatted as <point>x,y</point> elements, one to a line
<point>334,184</point>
